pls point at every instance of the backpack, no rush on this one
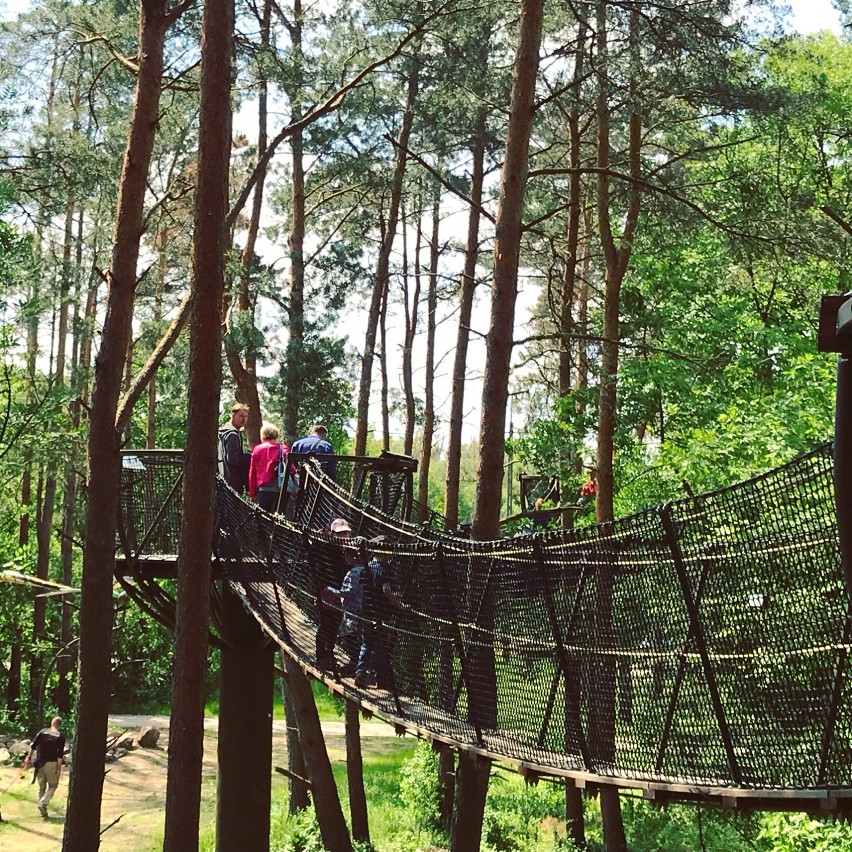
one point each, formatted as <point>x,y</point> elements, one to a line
<point>282,467</point>
<point>220,454</point>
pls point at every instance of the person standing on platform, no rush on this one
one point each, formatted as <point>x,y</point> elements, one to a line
<point>266,457</point>
<point>233,459</point>
<point>46,755</point>
<point>316,441</point>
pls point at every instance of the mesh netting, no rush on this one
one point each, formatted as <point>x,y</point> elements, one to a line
<point>701,642</point>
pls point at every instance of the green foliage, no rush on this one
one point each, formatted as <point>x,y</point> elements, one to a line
<point>418,790</point>
<point>780,832</point>
<point>519,816</point>
<point>682,828</point>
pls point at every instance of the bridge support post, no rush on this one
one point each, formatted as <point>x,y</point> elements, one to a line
<point>246,682</point>
<point>835,335</point>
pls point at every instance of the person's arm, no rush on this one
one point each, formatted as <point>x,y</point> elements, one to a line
<point>232,449</point>
<point>252,478</point>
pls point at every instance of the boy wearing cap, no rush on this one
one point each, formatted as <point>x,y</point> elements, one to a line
<point>332,570</point>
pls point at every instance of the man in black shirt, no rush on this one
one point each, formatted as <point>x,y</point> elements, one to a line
<point>48,749</point>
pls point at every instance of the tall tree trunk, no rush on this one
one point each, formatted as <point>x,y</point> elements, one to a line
<point>45,530</point>
<point>575,210</point>
<point>293,392</point>
<point>570,345</point>
<point>411,309</point>
<point>295,757</point>
<point>82,824</point>
<point>383,369</point>
<point>499,340</point>
<point>472,777</point>
<point>616,258</point>
<point>355,775</point>
<point>296,239</point>
<point>151,414</point>
<point>69,502</point>
<point>210,242</point>
<point>333,830</point>
<point>380,284</point>
<point>244,371</point>
<point>429,384</point>
<point>468,286</point>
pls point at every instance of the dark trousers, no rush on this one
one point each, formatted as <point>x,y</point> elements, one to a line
<point>267,500</point>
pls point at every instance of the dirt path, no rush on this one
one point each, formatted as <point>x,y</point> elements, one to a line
<point>135,789</point>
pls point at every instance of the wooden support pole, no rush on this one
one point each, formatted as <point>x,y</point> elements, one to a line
<point>246,685</point>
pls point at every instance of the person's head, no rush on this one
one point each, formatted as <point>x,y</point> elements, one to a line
<point>56,722</point>
<point>239,415</point>
<point>340,528</point>
<point>319,430</point>
<point>268,432</point>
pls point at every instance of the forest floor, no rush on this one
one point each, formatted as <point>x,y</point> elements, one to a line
<point>135,788</point>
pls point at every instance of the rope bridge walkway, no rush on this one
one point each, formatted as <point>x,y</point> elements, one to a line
<point>696,650</point>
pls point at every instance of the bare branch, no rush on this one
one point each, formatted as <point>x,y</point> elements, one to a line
<point>144,376</point>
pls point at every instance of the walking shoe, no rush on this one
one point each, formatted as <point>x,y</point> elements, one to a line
<point>42,809</point>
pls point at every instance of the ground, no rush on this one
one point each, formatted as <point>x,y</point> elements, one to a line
<point>135,789</point>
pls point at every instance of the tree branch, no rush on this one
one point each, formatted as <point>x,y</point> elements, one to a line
<point>144,376</point>
<point>331,103</point>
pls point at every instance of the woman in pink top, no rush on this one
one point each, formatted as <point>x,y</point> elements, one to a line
<point>263,469</point>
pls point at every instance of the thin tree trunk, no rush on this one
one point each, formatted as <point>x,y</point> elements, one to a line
<point>429,384</point>
<point>151,414</point>
<point>616,259</point>
<point>333,830</point>
<point>45,528</point>
<point>69,504</point>
<point>210,242</point>
<point>355,775</point>
<point>296,240</point>
<point>244,371</point>
<point>446,786</point>
<point>383,369</point>
<point>295,758</point>
<point>82,823</point>
<point>380,284</point>
<point>574,809</point>
<point>468,286</point>
<point>575,201</point>
<point>293,392</point>
<point>411,310</point>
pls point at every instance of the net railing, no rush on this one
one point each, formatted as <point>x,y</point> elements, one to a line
<point>703,642</point>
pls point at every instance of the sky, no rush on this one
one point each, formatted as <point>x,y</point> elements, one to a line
<point>813,15</point>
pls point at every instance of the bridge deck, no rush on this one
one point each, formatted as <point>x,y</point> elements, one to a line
<point>695,652</point>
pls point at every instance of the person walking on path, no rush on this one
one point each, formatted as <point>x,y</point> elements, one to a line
<point>46,754</point>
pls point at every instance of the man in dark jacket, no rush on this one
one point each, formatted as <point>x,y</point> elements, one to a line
<point>233,459</point>
<point>316,441</point>
<point>48,749</point>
